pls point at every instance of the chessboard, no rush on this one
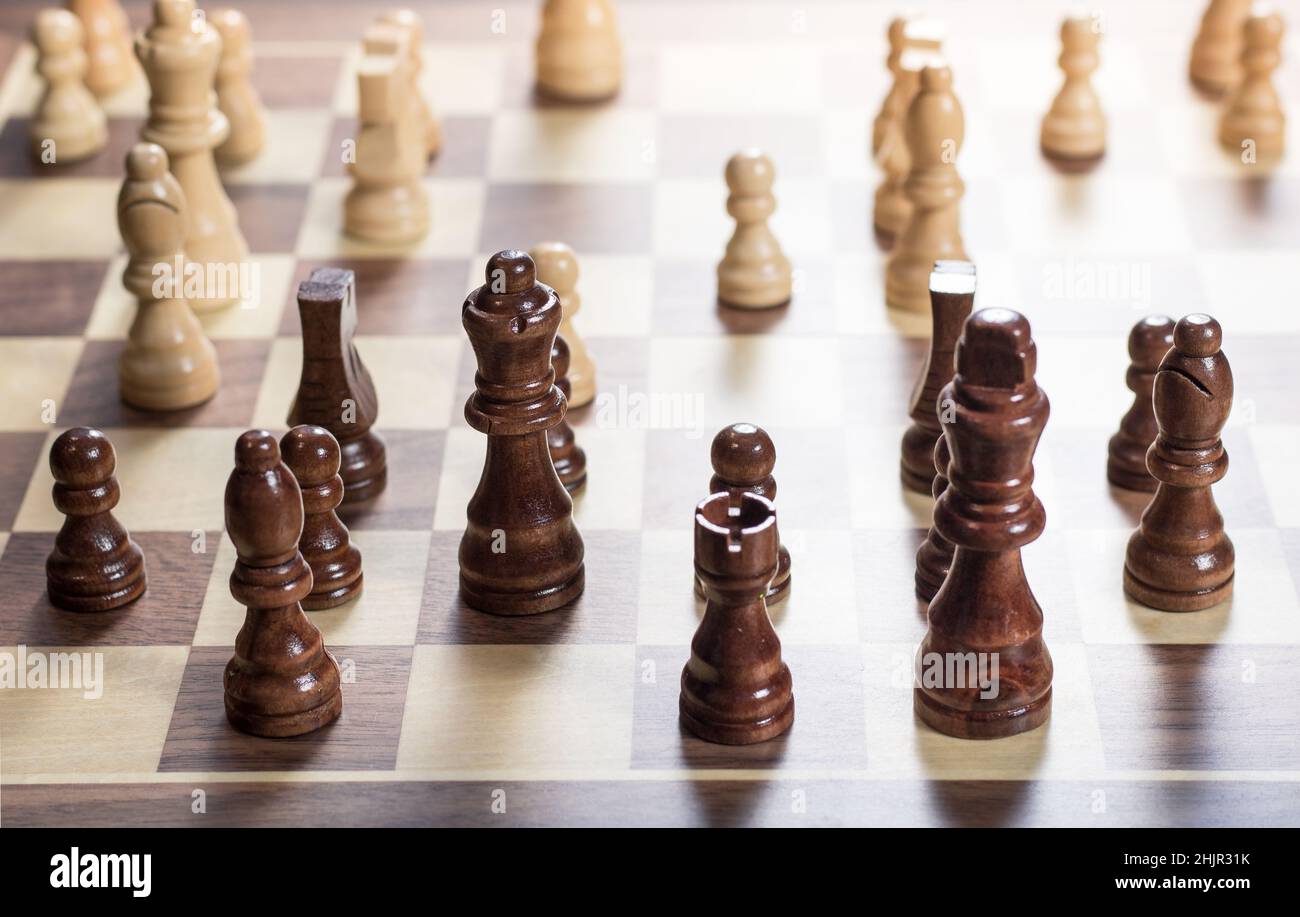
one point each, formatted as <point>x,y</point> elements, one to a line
<point>454,717</point>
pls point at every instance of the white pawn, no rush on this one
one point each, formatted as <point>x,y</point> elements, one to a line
<point>69,124</point>
<point>1074,129</point>
<point>1215,65</point>
<point>236,97</point>
<point>754,273</point>
<point>557,267</point>
<point>1253,125</point>
<point>430,129</point>
<point>579,57</point>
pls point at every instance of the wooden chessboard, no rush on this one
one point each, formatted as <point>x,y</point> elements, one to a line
<point>455,717</point>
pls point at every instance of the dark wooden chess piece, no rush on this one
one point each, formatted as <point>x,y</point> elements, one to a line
<point>934,556</point>
<point>335,391</point>
<point>983,670</point>
<point>521,553</point>
<point>736,690</point>
<point>566,455</point>
<point>1180,558</point>
<point>94,566</point>
<point>1126,463</point>
<point>312,454</point>
<point>281,680</point>
<point>952,293</point>
<point>743,458</point>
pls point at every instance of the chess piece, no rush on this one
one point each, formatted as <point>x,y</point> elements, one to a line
<point>335,390</point>
<point>429,127</point>
<point>1253,125</point>
<point>754,273</point>
<point>934,128</point>
<point>1180,559</point>
<point>743,457</point>
<point>281,680</point>
<point>521,553</point>
<point>1074,129</point>
<point>892,210</point>
<point>68,124</point>
<point>579,58</point>
<point>312,454</point>
<point>1126,464</point>
<point>179,53</point>
<point>236,97</point>
<point>169,363</point>
<point>952,293</point>
<point>108,45</point>
<point>934,556</point>
<point>557,267</point>
<point>905,32</point>
<point>566,455</point>
<point>1215,66</point>
<point>386,203</point>
<point>985,614</point>
<point>736,690</point>
<point>95,566</point>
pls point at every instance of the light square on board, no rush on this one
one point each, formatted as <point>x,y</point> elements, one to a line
<point>827,733</point>
<point>463,154</point>
<point>455,212</point>
<point>177,566</point>
<point>871,465</point>
<point>819,609</point>
<point>398,367</point>
<point>1264,608</point>
<point>24,87</point>
<point>691,221</point>
<point>1229,214</point>
<point>1067,746</point>
<point>289,156</point>
<point>761,78</point>
<point>1193,116</point>
<point>36,377</point>
<point>385,614</point>
<point>616,291</point>
<point>62,731</point>
<point>61,218</point>
<point>257,317</point>
<point>884,562</point>
<point>1276,447</point>
<point>460,78</point>
<point>764,378</point>
<point>566,145</point>
<point>533,711</point>
<point>171,480</point>
<point>604,217</point>
<point>1024,74</point>
<point>1246,287</point>
<point>698,146</point>
<point>200,738</point>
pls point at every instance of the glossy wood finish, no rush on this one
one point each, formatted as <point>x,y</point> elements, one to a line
<point>312,454</point>
<point>989,511</point>
<point>1126,463</point>
<point>567,456</point>
<point>1180,558</point>
<point>743,458</point>
<point>281,680</point>
<point>95,566</point>
<point>335,390</point>
<point>521,553</point>
<point>952,294</point>
<point>934,556</point>
<point>736,690</point>
<point>1215,63</point>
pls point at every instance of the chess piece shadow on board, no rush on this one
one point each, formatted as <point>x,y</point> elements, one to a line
<point>736,689</point>
<point>95,565</point>
<point>281,680</point>
<point>983,670</point>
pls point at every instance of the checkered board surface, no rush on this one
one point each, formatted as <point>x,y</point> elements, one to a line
<point>455,717</point>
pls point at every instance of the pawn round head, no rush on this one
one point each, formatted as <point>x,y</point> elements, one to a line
<point>750,172</point>
<point>1263,29</point>
<point>82,458</point>
<point>146,162</point>
<point>1150,340</point>
<point>936,77</point>
<point>312,454</point>
<point>743,454</point>
<point>1078,29</point>
<point>1198,335</point>
<point>557,267</point>
<point>174,13</point>
<point>996,350</point>
<point>57,31</point>
<point>256,452</point>
<point>233,27</point>
<point>510,271</point>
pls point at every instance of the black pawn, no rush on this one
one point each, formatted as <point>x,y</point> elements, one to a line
<point>312,454</point>
<point>566,455</point>
<point>1126,464</point>
<point>95,566</point>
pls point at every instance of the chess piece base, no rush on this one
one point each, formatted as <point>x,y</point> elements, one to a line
<point>515,604</point>
<point>394,215</point>
<point>332,598</point>
<point>1163,600</point>
<point>131,587</point>
<point>737,733</point>
<point>971,724</point>
<point>291,724</point>
<point>362,480</point>
<point>1072,164</point>
<point>138,390</point>
<point>739,289</point>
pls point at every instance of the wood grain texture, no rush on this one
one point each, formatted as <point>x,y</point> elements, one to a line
<point>593,218</point>
<point>66,289</point>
